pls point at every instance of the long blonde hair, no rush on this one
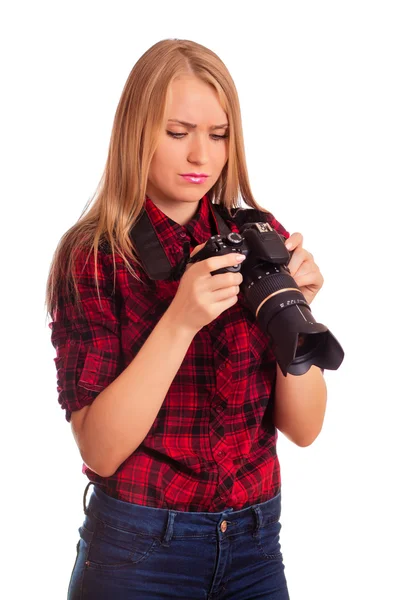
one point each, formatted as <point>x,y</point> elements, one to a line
<point>138,122</point>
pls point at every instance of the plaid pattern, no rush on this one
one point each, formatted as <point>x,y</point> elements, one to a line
<point>213,442</point>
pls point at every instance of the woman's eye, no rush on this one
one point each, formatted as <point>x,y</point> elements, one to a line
<point>176,135</point>
<point>179,136</point>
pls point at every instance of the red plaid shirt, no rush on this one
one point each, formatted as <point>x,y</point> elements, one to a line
<point>213,442</point>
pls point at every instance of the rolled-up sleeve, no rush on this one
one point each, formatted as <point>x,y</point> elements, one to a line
<point>88,347</point>
<point>275,224</point>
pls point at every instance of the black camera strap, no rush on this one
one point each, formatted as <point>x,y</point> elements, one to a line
<point>151,253</point>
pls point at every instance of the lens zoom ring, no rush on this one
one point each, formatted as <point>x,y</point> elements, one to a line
<point>266,286</point>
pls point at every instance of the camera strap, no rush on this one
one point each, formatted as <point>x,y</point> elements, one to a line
<point>151,253</point>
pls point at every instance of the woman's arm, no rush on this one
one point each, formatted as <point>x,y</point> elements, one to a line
<point>300,402</point>
<point>123,413</point>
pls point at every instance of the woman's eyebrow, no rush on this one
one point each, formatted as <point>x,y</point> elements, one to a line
<point>193,126</point>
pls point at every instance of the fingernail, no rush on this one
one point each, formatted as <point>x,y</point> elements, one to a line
<point>289,245</point>
<point>240,257</point>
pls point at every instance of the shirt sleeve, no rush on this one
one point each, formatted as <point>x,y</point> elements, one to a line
<point>88,347</point>
<point>276,225</point>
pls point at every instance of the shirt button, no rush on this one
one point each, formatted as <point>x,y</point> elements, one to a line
<point>182,234</point>
<point>221,453</point>
<point>219,408</point>
<point>224,526</point>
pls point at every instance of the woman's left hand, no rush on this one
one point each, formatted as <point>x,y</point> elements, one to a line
<point>303,268</point>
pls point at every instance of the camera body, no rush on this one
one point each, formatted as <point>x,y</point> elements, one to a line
<point>275,299</point>
<point>266,256</point>
<point>258,238</point>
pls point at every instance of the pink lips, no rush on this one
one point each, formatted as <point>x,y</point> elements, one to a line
<point>194,174</point>
<point>193,178</point>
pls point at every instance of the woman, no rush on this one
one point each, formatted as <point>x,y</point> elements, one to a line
<point>170,385</point>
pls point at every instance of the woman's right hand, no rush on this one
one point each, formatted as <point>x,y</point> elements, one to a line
<point>202,297</point>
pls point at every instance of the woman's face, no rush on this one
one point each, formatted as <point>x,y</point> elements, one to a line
<point>183,149</point>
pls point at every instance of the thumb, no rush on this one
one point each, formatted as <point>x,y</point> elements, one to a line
<point>194,251</point>
<point>197,249</point>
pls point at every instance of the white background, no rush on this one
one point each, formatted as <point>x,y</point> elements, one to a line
<point>319,89</point>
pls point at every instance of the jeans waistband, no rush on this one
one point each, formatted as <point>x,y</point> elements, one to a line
<point>163,523</point>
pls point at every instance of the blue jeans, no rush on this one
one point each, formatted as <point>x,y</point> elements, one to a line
<point>133,552</point>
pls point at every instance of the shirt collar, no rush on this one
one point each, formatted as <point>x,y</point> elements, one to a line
<point>198,230</point>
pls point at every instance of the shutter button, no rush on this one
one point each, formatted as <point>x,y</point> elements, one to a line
<point>224,526</point>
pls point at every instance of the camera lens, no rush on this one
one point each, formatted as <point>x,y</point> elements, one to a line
<point>281,309</point>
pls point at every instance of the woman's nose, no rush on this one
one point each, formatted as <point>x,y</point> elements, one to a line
<point>198,151</point>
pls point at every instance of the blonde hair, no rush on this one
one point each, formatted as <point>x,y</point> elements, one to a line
<point>138,122</point>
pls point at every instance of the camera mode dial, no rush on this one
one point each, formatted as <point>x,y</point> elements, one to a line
<point>234,239</point>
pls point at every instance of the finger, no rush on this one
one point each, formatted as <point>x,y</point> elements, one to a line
<point>296,239</point>
<point>308,266</point>
<point>197,249</point>
<point>194,251</point>
<point>299,256</point>
<point>219,262</point>
<point>312,279</point>
<point>223,280</point>
<point>225,293</point>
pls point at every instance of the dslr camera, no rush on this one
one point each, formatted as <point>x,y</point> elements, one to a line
<point>275,299</point>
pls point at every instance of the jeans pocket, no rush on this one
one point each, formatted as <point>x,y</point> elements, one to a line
<point>267,540</point>
<point>113,548</point>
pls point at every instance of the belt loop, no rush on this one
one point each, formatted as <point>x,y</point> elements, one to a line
<point>169,529</point>
<point>84,496</point>
<point>259,519</point>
